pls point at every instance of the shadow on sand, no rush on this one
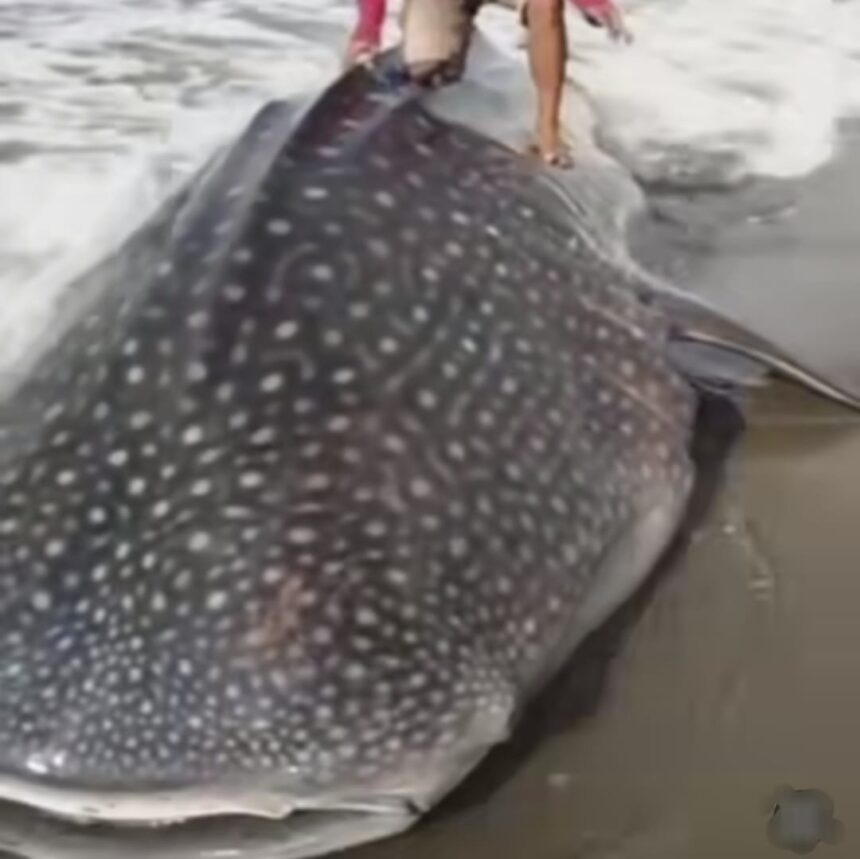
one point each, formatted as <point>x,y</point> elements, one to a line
<point>576,691</point>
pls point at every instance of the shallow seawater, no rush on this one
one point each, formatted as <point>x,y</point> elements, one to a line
<point>735,671</point>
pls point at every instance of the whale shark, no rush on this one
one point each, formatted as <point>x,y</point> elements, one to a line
<point>335,463</point>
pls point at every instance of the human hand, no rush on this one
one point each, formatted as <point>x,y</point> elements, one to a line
<point>360,51</point>
<point>366,38</point>
<point>604,13</point>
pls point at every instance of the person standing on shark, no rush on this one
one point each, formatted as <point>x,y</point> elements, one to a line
<point>436,37</point>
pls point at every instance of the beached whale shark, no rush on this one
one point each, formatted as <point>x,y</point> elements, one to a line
<point>336,462</point>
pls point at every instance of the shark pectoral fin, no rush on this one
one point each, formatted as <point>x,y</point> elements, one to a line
<point>714,349</point>
<point>717,368</point>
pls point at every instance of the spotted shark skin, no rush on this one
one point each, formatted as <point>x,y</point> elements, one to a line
<point>350,447</point>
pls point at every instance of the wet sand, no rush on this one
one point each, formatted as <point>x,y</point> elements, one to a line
<point>735,671</point>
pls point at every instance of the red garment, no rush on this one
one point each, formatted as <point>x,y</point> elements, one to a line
<point>600,7</point>
<point>371,16</point>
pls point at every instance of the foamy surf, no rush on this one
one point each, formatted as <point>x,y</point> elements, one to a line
<point>760,85</point>
<point>108,105</point>
<point>721,89</point>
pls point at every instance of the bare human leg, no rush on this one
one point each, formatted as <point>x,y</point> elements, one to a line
<point>547,58</point>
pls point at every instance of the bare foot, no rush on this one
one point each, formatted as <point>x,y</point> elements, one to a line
<point>558,155</point>
<point>436,73</point>
<point>430,74</point>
